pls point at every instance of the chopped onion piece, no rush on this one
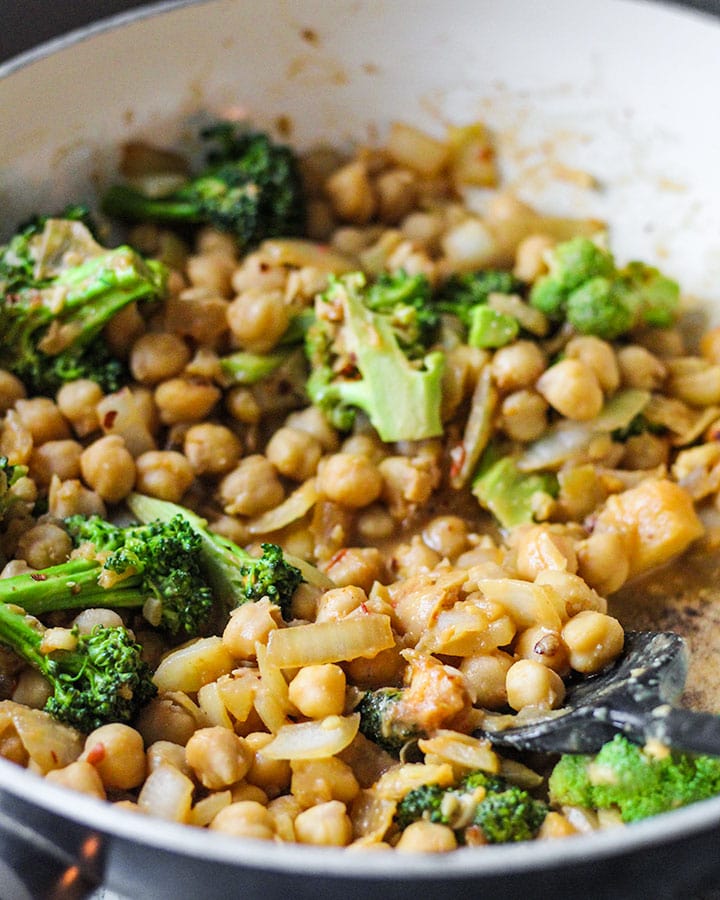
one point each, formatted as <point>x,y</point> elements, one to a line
<point>477,430</point>
<point>206,809</point>
<point>273,679</point>
<point>298,253</point>
<point>313,740</point>
<point>292,509</point>
<point>529,604</point>
<point>191,666</point>
<point>270,709</point>
<point>325,642</point>
<point>237,692</point>
<point>371,816</point>
<point>621,409</point>
<point>48,743</point>
<point>461,751</point>
<point>211,703</point>
<point>393,785</point>
<point>167,794</point>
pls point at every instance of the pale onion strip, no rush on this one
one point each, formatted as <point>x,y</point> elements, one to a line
<point>49,743</point>
<point>326,642</point>
<point>269,709</point>
<point>167,794</point>
<point>309,573</point>
<point>478,428</point>
<point>290,510</point>
<point>461,750</point>
<point>191,666</point>
<point>298,253</point>
<point>179,698</point>
<point>371,816</point>
<point>273,679</point>
<point>211,703</point>
<point>237,692</point>
<point>462,630</point>
<point>397,782</point>
<point>313,740</point>
<point>529,604</point>
<point>528,317</point>
<point>206,809</point>
<point>518,774</point>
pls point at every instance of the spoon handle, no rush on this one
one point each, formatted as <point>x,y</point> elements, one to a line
<point>682,729</point>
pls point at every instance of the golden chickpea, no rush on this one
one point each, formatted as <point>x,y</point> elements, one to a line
<point>386,667</point>
<point>163,473</point>
<point>485,676</point>
<point>320,780</point>
<point>212,449</point>
<point>519,365</point>
<point>524,415</point>
<point>185,400</point>
<point>426,837</point>
<point>416,556</point>
<point>530,683</point>
<point>319,691</point>
<point>249,624</point>
<point>326,824</point>
<point>448,535</point>
<point>244,791</point>
<point>197,313</point>
<point>294,453</point>
<point>218,757</point>
<point>77,401</point>
<point>108,468</point>
<point>530,257</point>
<point>242,406</point>
<point>11,390</point>
<point>123,329</point>
<point>396,193</point>
<point>61,458</point>
<point>32,689</point>
<point>163,719</point>
<point>350,192</point>
<point>314,422</point>
<point>599,356</point>
<point>43,420</point>
<point>257,272</point>
<point>79,776</point>
<point>339,602</point>
<point>361,566</point>
<point>246,818</point>
<point>118,754</point>
<point>603,561</point>
<point>44,545</point>
<point>544,646</point>
<point>258,319</point>
<point>70,498</point>
<point>272,775</point>
<point>640,369</point>
<point>349,479</point>
<point>252,488</point>
<point>157,356</point>
<point>593,640</point>
<point>709,348</point>
<point>284,810</point>
<point>211,270</point>
<point>572,388</point>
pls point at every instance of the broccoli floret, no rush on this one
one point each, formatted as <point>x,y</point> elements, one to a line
<point>103,679</point>
<point>58,289</point>
<point>624,776</point>
<point>250,188</point>
<point>490,329</point>
<point>510,495</point>
<point>462,293</point>
<point>407,302</point>
<point>357,362</point>
<point>381,719</point>
<point>151,566</point>
<point>604,307</point>
<point>571,264</point>
<point>9,477</point>
<point>503,812</point>
<point>247,368</point>
<point>659,296</point>
<point>235,575</point>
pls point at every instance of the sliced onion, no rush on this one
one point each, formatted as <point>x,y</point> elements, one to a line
<point>477,430</point>
<point>393,785</point>
<point>325,642</point>
<point>529,604</point>
<point>297,253</point>
<point>206,809</point>
<point>273,679</point>
<point>167,794</point>
<point>461,751</point>
<point>191,666</point>
<point>270,709</point>
<point>372,816</point>
<point>313,740</point>
<point>211,703</point>
<point>621,409</point>
<point>49,743</point>
<point>237,692</point>
<point>292,509</point>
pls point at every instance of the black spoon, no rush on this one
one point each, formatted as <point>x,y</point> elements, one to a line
<point>635,698</point>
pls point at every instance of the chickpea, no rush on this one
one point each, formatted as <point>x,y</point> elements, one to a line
<point>349,479</point>
<point>272,775</point>
<point>157,356</point>
<point>284,810</point>
<point>320,780</point>
<point>350,192</point>
<point>326,824</point>
<point>197,313</point>
<point>212,449</point>
<point>209,240</point>
<point>163,473</point>
<point>361,566</point>
<point>108,468</point>
<point>79,776</point>
<point>218,757</point>
<point>123,329</point>
<point>640,369</point>
<point>258,273</point>
<point>244,792</point>
<point>245,818</point>
<point>61,458</point>
<point>258,319</point>
<point>118,754</point>
<point>366,445</point>
<point>185,400</point>
<point>44,545</point>
<point>249,624</point>
<point>448,535</point>
<point>424,228</point>
<point>603,561</point>
<point>524,415</point>
<point>320,222</point>
<point>43,420</point>
<point>163,719</point>
<point>485,677</point>
<point>544,646</point>
<point>11,390</point>
<point>645,451</point>
<point>319,691</point>
<point>599,356</point>
<point>396,194</point>
<point>70,498</point>
<point>77,401</point>
<point>375,524</point>
<point>213,271</point>
<point>519,365</point>
<point>241,404</point>
<point>572,388</point>
<point>426,837</point>
<point>530,257</point>
<point>530,683</point>
<point>339,602</point>
<point>294,453</point>
<point>593,640</point>
<point>252,488</point>
<point>386,667</point>
<point>314,422</point>
<point>32,689</point>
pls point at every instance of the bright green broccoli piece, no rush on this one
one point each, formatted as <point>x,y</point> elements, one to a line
<point>571,264</point>
<point>624,776</point>
<point>510,495</point>
<point>490,329</point>
<point>250,188</point>
<point>247,368</point>
<point>357,361</point>
<point>236,576</point>
<point>103,679</point>
<point>503,812</point>
<point>382,719</point>
<point>9,477</point>
<point>154,567</point>
<point>461,294</point>
<point>58,289</point>
<point>407,301</point>
<point>658,295</point>
<point>604,307</point>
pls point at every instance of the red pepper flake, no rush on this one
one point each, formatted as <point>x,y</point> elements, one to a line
<point>38,576</point>
<point>54,756</point>
<point>364,607</point>
<point>457,460</point>
<point>96,754</point>
<point>338,556</point>
<point>109,418</point>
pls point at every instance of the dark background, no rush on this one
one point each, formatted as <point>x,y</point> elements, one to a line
<point>25,23</point>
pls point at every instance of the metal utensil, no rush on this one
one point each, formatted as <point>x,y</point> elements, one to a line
<point>635,698</point>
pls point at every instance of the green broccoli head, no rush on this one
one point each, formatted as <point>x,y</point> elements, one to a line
<point>251,188</point>
<point>571,264</point>
<point>424,802</point>
<point>406,300</point>
<point>509,816</point>
<point>604,307</point>
<point>382,719</point>
<point>510,495</point>
<point>624,776</point>
<point>658,296</point>
<point>271,576</point>
<point>9,477</point>
<point>463,292</point>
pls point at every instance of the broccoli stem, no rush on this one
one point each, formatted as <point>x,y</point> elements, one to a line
<point>124,202</point>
